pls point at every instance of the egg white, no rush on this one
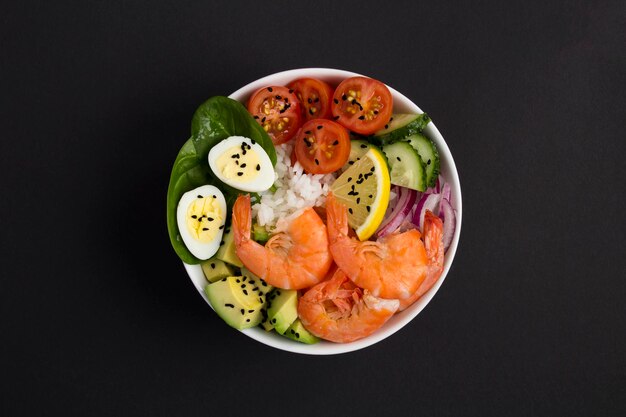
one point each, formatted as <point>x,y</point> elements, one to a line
<point>266,175</point>
<point>200,250</point>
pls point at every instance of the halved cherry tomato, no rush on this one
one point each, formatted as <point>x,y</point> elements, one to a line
<point>278,110</point>
<point>363,105</point>
<point>322,146</point>
<point>315,96</point>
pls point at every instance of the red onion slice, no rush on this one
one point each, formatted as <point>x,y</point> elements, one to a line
<point>446,192</point>
<point>427,202</point>
<point>449,223</point>
<point>406,201</point>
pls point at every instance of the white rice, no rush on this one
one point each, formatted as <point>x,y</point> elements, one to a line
<point>295,190</point>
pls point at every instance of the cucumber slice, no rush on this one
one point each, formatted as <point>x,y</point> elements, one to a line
<point>401,126</point>
<point>406,166</point>
<point>428,153</point>
<point>397,121</point>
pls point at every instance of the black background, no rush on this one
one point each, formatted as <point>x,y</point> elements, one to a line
<point>97,316</point>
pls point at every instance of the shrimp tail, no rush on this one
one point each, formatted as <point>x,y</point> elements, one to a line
<point>433,243</point>
<point>242,219</point>
<point>433,239</point>
<point>336,217</point>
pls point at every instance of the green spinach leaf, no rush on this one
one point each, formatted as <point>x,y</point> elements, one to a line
<point>215,120</point>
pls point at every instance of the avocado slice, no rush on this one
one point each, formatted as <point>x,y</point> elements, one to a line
<point>282,309</point>
<point>235,302</point>
<point>214,269</point>
<point>265,321</point>
<point>298,333</point>
<point>227,251</point>
<point>263,290</point>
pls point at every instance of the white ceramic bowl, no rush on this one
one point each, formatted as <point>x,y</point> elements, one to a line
<point>449,173</point>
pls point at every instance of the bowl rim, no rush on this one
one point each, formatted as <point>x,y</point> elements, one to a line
<point>399,320</point>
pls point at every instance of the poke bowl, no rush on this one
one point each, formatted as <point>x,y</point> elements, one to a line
<point>447,172</point>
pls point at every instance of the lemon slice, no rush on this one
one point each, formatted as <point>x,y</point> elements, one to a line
<point>364,189</point>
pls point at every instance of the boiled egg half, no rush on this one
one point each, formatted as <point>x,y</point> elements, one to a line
<point>201,215</point>
<point>242,163</point>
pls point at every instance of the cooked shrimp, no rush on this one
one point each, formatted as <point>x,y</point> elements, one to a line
<point>294,259</point>
<point>393,267</point>
<point>433,233</point>
<point>341,312</point>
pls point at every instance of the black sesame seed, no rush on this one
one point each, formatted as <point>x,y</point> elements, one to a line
<point>344,97</point>
<point>238,280</point>
<point>350,210</point>
<point>250,311</point>
<point>368,208</point>
<point>386,126</point>
<point>239,174</point>
<point>350,162</point>
<point>290,91</point>
<point>375,111</point>
<point>258,167</point>
<point>309,100</point>
<point>336,142</point>
<point>358,200</point>
<point>264,283</point>
<point>317,162</point>
<point>194,216</point>
<point>256,117</point>
<point>243,285</point>
<point>308,132</point>
<point>270,89</point>
<point>349,179</point>
<point>223,279</point>
<point>363,146</point>
<point>361,117</point>
<point>221,243</point>
<point>263,119</point>
<point>205,229</point>
<point>199,196</point>
<point>213,265</point>
<point>261,300</point>
<point>277,97</point>
<point>319,127</point>
<point>336,117</point>
<point>297,335</point>
<point>253,141</point>
<point>293,331</point>
<point>255,289</point>
<point>336,101</point>
<point>372,169</point>
<point>242,311</point>
<point>243,165</point>
<point>370,196</point>
<point>273,321</point>
<point>398,158</point>
<point>245,292</point>
<point>248,320</point>
<point>228,304</point>
<point>428,163</point>
<point>210,219</point>
<point>251,282</point>
<point>221,227</point>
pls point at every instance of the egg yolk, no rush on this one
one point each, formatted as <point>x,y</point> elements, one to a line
<point>240,163</point>
<point>204,218</point>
